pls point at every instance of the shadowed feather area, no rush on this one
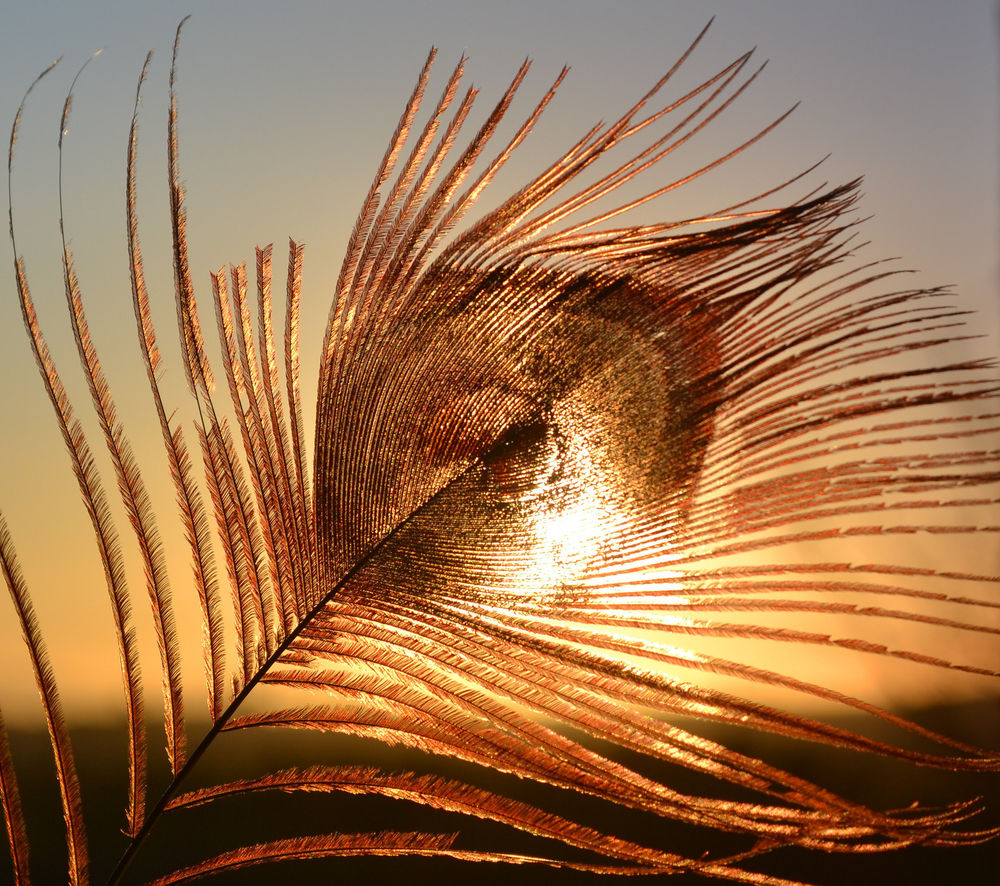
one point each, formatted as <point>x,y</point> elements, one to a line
<point>582,493</point>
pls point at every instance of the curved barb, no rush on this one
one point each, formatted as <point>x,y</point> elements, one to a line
<point>94,499</point>
<point>69,783</point>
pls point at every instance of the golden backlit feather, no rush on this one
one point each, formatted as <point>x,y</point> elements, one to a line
<point>13,814</point>
<point>62,751</point>
<point>188,496</point>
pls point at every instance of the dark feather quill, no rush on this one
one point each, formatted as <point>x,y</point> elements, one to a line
<point>553,456</point>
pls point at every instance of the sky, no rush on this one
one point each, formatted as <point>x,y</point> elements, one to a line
<point>285,112</point>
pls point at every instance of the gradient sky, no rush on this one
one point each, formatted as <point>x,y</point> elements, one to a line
<point>285,111</point>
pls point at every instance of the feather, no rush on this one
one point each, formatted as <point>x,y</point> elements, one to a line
<point>95,502</point>
<point>295,460</point>
<point>133,493</point>
<point>188,497</point>
<point>62,750</point>
<point>237,372</point>
<point>319,846</point>
<point>92,492</point>
<point>431,791</point>
<point>196,366</point>
<point>551,457</point>
<point>13,815</point>
<point>279,452</point>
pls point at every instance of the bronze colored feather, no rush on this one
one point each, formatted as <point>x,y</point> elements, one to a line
<point>551,457</point>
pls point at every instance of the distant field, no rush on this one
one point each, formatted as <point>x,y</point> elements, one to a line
<point>195,834</point>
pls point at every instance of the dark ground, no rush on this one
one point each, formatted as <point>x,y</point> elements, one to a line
<point>196,834</point>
